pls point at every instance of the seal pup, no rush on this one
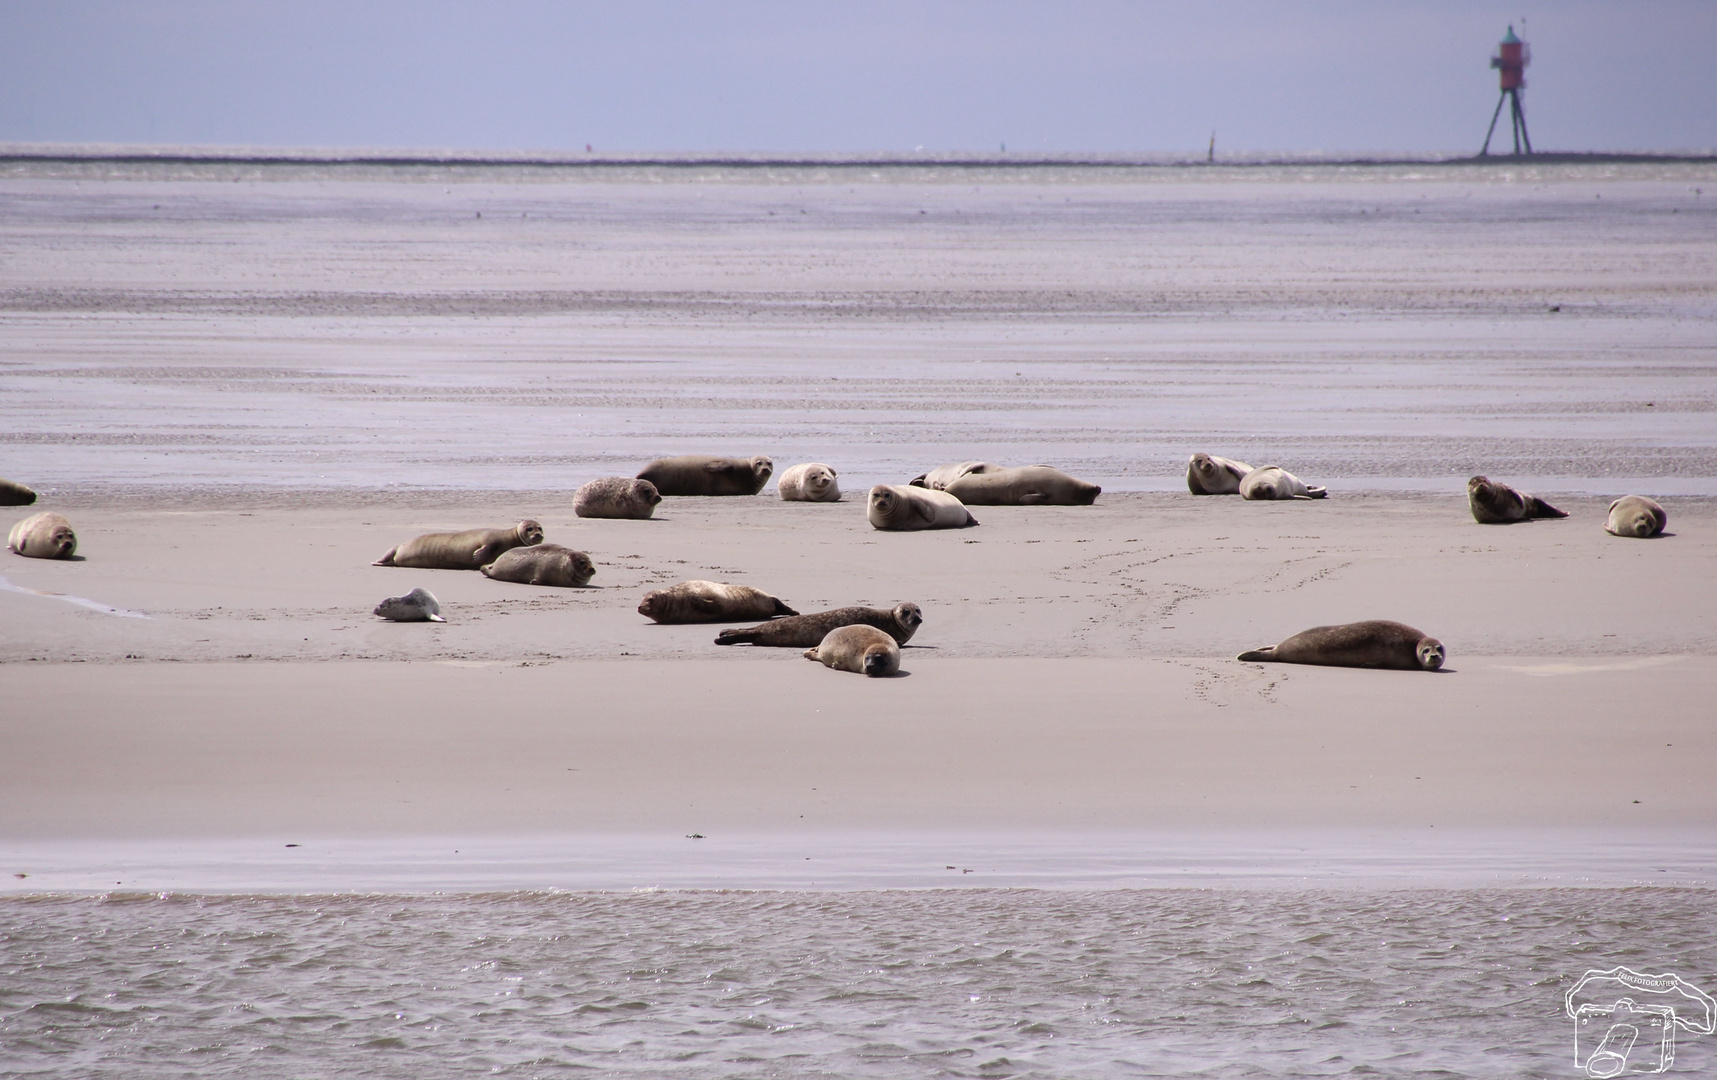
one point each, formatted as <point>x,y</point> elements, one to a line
<point>1275,482</point>
<point>903,507</point>
<point>1026,485</point>
<point>1207,474</point>
<point>941,476</point>
<point>468,550</point>
<point>1498,504</point>
<point>418,605</point>
<point>616,497</point>
<point>1376,643</point>
<point>700,474</point>
<point>542,564</point>
<point>1635,515</point>
<point>46,535</point>
<point>860,648</point>
<point>710,601</point>
<point>13,493</point>
<point>798,631</point>
<point>811,482</point>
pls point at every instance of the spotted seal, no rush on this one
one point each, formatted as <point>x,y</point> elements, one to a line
<point>418,605</point>
<point>1376,643</point>
<point>542,564</point>
<point>616,497</point>
<point>710,601</point>
<point>799,631</point>
<point>468,550</point>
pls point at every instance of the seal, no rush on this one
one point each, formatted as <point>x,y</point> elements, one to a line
<point>1274,482</point>
<point>1636,515</point>
<point>418,605</point>
<point>1207,474</point>
<point>542,564</point>
<point>1376,643</point>
<point>468,550</point>
<point>860,648</point>
<point>700,474</point>
<point>900,508</point>
<point>13,493</point>
<point>941,476</point>
<point>46,535</point>
<point>1499,504</point>
<point>710,601</point>
<point>799,631</point>
<point>616,497</point>
<point>1027,485</point>
<point>811,482</point>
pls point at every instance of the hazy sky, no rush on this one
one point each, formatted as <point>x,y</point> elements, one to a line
<point>682,76</point>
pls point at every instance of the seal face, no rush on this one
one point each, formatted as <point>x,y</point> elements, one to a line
<point>616,497</point>
<point>710,601</point>
<point>941,476</point>
<point>701,474</point>
<point>418,605</point>
<point>15,494</point>
<point>811,482</point>
<point>1207,474</point>
<point>1636,515</point>
<point>1498,504</point>
<point>1275,482</point>
<point>863,649</point>
<point>1026,485</point>
<point>468,550</point>
<point>801,631</point>
<point>900,508</point>
<point>1375,643</point>
<point>542,564</point>
<point>46,535</point>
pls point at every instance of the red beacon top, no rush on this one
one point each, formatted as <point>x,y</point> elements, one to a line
<point>1511,61</point>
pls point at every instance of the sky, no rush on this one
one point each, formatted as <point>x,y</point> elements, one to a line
<point>763,77</point>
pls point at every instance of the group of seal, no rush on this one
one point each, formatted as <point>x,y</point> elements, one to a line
<point>515,554</point>
<point>979,483</point>
<point>1494,503</point>
<point>1207,474</point>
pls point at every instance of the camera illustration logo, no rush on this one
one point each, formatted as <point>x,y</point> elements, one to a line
<point>1624,1022</point>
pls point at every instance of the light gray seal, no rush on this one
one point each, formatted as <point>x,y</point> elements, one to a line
<point>941,476</point>
<point>616,497</point>
<point>13,493</point>
<point>542,564</point>
<point>1499,504</point>
<point>1207,474</point>
<point>799,631</point>
<point>701,474</point>
<point>1376,643</point>
<point>46,535</point>
<point>863,649</point>
<point>810,482</point>
<point>1026,485</point>
<point>1636,515</point>
<point>1275,482</point>
<point>903,507</point>
<point>418,605</point>
<point>468,550</point>
<point>710,601</point>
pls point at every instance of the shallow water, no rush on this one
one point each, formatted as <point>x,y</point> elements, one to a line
<point>885,984</point>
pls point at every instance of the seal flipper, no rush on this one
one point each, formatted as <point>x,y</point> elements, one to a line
<point>783,609</point>
<point>1034,499</point>
<point>1316,492</point>
<point>386,560</point>
<point>921,480</point>
<point>737,637</point>
<point>1268,652</point>
<point>1536,507</point>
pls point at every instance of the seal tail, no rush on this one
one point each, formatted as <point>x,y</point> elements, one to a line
<point>736,637</point>
<point>783,609</point>
<point>1540,508</point>
<point>1256,655</point>
<point>386,560</point>
<point>1316,492</point>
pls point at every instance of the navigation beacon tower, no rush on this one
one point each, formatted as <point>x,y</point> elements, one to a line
<point>1511,61</point>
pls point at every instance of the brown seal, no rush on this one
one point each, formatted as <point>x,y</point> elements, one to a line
<point>863,649</point>
<point>901,508</point>
<point>810,482</point>
<point>1207,474</point>
<point>941,476</point>
<point>710,601</point>
<point>46,535</point>
<point>799,631</point>
<point>1636,515</point>
<point>1275,482</point>
<point>13,493</point>
<point>542,564</point>
<point>1026,485</point>
<point>700,474</point>
<point>1376,643</point>
<point>616,497</point>
<point>1498,504</point>
<point>468,550</point>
